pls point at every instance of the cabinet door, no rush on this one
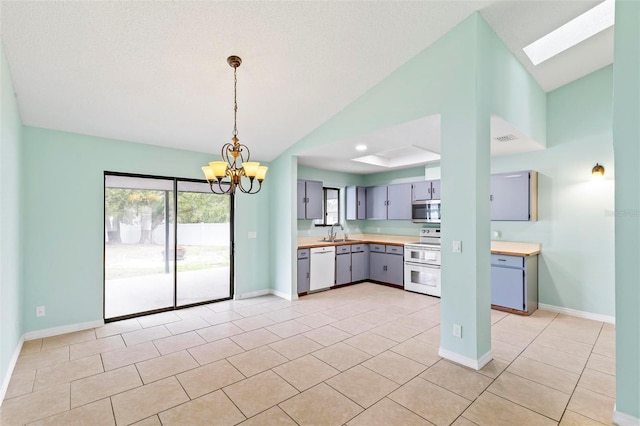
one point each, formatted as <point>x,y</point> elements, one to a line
<point>376,202</point>
<point>361,208</point>
<point>377,266</point>
<point>435,189</point>
<point>399,201</point>
<point>395,270</point>
<point>303,275</point>
<point>351,200</point>
<point>510,196</point>
<point>314,199</point>
<point>421,191</point>
<point>359,266</point>
<point>301,200</point>
<point>507,287</point>
<point>343,268</point>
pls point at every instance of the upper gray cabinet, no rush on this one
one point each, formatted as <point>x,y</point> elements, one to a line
<point>514,196</point>
<point>399,201</point>
<point>389,202</point>
<point>376,202</point>
<point>309,200</point>
<point>425,190</point>
<point>356,202</point>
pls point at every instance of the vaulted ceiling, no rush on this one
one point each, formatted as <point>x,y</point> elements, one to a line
<point>156,72</point>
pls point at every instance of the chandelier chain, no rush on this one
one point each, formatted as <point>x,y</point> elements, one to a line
<point>235,102</point>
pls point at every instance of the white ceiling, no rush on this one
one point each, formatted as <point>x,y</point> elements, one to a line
<point>156,72</point>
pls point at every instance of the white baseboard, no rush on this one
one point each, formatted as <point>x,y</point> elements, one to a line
<point>284,295</point>
<point>54,331</point>
<point>476,364</point>
<point>264,292</point>
<point>577,313</point>
<point>622,419</point>
<point>251,294</point>
<point>9,372</point>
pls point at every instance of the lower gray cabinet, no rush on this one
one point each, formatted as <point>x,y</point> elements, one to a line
<point>343,265</point>
<point>386,264</point>
<point>359,262</point>
<point>304,265</point>
<point>514,283</point>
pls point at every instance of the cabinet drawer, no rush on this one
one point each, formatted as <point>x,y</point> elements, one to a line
<point>343,249</point>
<point>509,261</point>
<point>380,248</point>
<point>357,248</point>
<point>303,253</point>
<point>395,250</point>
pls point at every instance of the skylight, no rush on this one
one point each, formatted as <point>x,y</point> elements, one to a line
<point>573,32</point>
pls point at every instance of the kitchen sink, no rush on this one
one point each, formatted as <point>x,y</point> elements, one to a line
<point>339,240</point>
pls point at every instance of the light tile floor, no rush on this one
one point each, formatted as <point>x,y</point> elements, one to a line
<point>359,355</point>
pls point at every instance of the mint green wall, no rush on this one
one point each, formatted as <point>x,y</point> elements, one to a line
<point>63,220</point>
<point>626,143</point>
<point>10,244</point>
<point>464,186</point>
<point>575,225</point>
<point>282,224</point>
<point>518,98</point>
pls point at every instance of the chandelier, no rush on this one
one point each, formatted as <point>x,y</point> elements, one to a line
<point>227,175</point>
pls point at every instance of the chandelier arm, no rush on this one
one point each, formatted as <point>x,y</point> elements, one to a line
<point>221,191</point>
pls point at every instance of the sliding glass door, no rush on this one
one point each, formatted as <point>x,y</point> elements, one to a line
<point>153,262</point>
<point>204,252</point>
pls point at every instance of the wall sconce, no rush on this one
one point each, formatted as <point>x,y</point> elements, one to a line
<point>597,171</point>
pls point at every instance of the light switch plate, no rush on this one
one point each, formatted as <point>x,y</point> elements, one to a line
<point>457,246</point>
<point>457,330</point>
<point>252,234</point>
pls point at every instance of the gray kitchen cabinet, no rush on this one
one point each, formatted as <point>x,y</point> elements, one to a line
<point>376,202</point>
<point>386,264</point>
<point>359,262</point>
<point>399,201</point>
<point>514,283</point>
<point>343,265</point>
<point>425,190</point>
<point>309,199</point>
<point>514,196</point>
<point>389,202</point>
<point>356,202</point>
<point>304,267</point>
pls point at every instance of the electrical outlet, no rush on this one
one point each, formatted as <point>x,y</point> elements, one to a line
<point>40,311</point>
<point>497,234</point>
<point>457,330</point>
<point>457,246</point>
<point>252,234</point>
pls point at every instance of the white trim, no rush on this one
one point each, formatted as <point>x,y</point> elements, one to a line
<point>577,313</point>
<point>622,419</point>
<point>476,364</point>
<point>54,331</point>
<point>282,294</point>
<point>264,292</point>
<point>9,372</point>
<point>251,294</point>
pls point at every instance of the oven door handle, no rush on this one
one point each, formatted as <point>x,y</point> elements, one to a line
<point>423,265</point>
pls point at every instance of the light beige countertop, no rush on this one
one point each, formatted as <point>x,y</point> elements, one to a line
<point>396,240</point>
<point>512,248</point>
<point>515,248</point>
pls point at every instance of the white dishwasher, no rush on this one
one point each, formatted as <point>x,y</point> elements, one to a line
<point>323,267</point>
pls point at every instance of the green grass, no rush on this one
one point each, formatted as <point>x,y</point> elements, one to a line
<point>127,261</point>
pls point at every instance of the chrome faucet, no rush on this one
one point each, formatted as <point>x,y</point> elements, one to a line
<point>332,236</point>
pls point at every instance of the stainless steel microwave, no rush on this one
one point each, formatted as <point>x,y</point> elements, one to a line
<point>425,211</point>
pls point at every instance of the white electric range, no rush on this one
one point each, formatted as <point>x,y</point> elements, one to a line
<point>422,263</point>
